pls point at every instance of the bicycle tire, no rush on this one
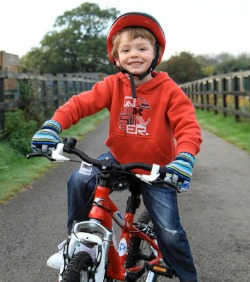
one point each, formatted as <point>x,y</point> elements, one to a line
<point>138,247</point>
<point>79,262</point>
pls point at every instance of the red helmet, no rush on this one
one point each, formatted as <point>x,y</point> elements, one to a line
<point>136,19</point>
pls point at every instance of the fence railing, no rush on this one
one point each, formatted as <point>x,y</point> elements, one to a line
<point>53,90</point>
<point>226,93</point>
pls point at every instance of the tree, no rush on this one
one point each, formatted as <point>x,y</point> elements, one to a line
<point>229,63</point>
<point>223,63</point>
<point>182,68</point>
<point>208,64</point>
<point>77,43</point>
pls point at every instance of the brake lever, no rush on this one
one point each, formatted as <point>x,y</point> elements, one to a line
<point>35,155</point>
<point>154,174</point>
<point>56,155</point>
<point>154,178</point>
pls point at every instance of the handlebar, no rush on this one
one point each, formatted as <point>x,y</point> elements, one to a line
<point>68,146</point>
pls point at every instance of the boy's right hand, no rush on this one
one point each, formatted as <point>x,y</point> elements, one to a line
<point>47,137</point>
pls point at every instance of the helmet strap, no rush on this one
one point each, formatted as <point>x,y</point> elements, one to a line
<point>132,83</point>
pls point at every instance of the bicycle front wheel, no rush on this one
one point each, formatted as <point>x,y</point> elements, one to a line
<point>77,269</point>
<point>140,252</point>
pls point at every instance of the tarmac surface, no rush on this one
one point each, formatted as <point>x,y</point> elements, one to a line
<point>215,214</point>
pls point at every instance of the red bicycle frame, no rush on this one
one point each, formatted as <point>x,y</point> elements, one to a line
<point>104,209</point>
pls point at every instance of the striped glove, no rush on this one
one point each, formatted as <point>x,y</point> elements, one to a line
<point>47,137</point>
<point>180,171</point>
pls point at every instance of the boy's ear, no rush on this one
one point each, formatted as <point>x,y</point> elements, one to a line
<point>117,63</point>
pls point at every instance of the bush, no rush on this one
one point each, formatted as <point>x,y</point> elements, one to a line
<point>18,130</point>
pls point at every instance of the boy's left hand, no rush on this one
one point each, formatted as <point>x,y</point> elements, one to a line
<point>180,171</point>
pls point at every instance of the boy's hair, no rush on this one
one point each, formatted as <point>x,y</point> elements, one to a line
<point>133,33</point>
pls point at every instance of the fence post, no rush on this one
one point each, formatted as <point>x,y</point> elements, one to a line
<point>236,106</point>
<point>215,103</point>
<point>236,88</point>
<point>202,101</point>
<point>55,93</point>
<point>224,104</point>
<point>1,102</point>
<point>224,96</point>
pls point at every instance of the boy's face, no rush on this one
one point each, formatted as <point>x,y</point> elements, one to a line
<point>135,55</point>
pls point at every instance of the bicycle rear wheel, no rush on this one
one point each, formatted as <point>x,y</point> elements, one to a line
<point>140,251</point>
<point>76,270</point>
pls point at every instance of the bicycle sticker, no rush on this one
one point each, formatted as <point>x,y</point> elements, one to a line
<point>122,247</point>
<point>85,168</point>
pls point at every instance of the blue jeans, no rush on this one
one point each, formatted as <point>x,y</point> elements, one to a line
<point>161,203</point>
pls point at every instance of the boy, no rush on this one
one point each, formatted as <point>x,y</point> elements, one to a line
<point>151,121</point>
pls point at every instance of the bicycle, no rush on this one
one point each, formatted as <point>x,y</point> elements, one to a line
<point>137,256</point>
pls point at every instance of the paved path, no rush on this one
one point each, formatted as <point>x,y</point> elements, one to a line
<point>215,213</point>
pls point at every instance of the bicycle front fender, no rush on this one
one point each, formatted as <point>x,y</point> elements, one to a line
<point>102,243</point>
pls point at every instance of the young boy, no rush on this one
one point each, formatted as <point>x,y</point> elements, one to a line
<point>151,121</point>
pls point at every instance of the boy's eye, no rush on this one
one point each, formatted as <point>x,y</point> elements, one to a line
<point>124,50</point>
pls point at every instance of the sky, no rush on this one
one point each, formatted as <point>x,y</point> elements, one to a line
<point>200,27</point>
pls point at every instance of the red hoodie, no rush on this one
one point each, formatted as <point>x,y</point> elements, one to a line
<point>153,128</point>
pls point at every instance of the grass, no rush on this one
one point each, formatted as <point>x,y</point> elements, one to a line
<point>16,172</point>
<point>237,134</point>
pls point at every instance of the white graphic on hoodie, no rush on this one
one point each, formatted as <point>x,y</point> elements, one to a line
<point>131,116</point>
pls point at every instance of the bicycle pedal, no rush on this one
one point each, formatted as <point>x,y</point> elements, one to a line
<point>164,271</point>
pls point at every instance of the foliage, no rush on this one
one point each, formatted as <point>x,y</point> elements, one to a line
<point>186,67</point>
<point>77,43</point>
<point>16,172</point>
<point>20,125</point>
<point>32,102</point>
<point>19,130</point>
<point>182,68</point>
<point>208,64</point>
<point>223,63</point>
<point>230,63</point>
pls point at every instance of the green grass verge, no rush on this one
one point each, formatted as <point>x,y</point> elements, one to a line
<point>16,172</point>
<point>237,134</point>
